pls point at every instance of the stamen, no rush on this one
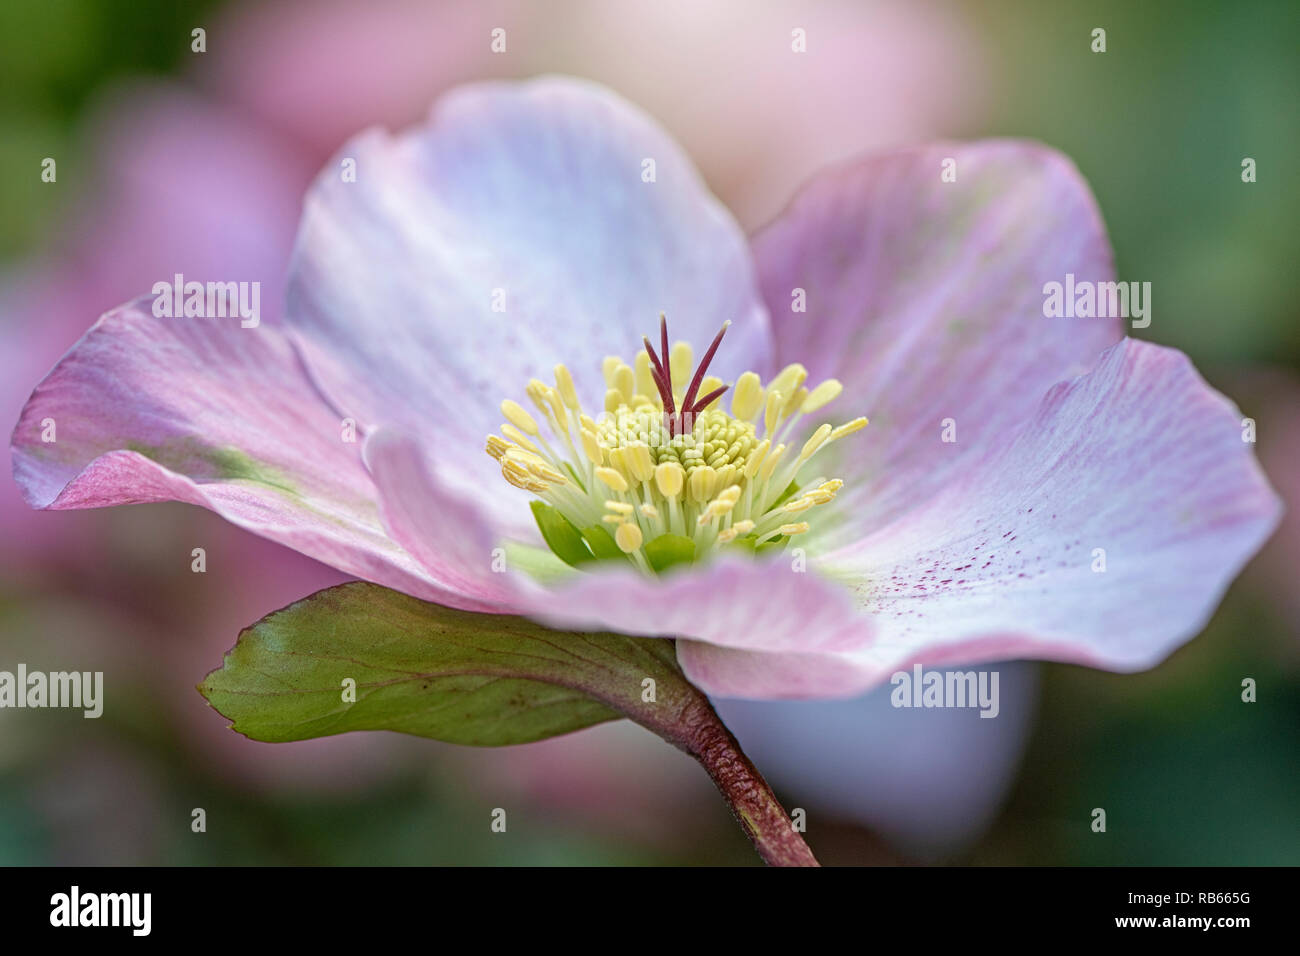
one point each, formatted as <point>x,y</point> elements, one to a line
<point>821,396</point>
<point>515,414</point>
<point>664,457</point>
<point>670,476</point>
<point>612,478</point>
<point>628,537</point>
<point>564,384</point>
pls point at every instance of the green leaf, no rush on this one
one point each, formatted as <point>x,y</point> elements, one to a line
<point>669,549</point>
<point>560,535</point>
<point>602,544</point>
<point>423,669</point>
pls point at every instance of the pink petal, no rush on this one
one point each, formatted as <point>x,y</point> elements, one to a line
<point>926,299</point>
<point>207,412</point>
<point>753,675</point>
<point>761,606</point>
<point>447,535</point>
<point>535,190</point>
<point>1139,458</point>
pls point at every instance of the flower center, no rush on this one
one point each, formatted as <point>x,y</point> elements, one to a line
<point>664,476</point>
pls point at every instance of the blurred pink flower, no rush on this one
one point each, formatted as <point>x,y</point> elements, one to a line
<point>723,77</point>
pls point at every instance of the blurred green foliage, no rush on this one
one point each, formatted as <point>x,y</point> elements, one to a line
<point>55,57</point>
<point>1159,125</point>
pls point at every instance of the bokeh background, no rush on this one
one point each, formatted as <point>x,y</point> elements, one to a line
<point>170,160</point>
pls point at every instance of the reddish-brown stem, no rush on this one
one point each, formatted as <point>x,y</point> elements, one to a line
<point>752,802</point>
<point>695,727</point>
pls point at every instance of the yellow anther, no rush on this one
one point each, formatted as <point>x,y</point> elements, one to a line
<point>703,481</point>
<point>640,465</point>
<point>789,379</point>
<point>521,477</point>
<point>608,366</point>
<point>618,460</point>
<point>716,509</point>
<point>535,465</point>
<point>625,382</point>
<point>547,473</point>
<point>735,531</point>
<point>796,505</point>
<point>709,384</point>
<point>771,414</point>
<point>832,486</point>
<point>822,395</point>
<point>792,529</point>
<point>524,456</point>
<point>613,399</point>
<point>612,478</point>
<point>770,463</point>
<point>680,361</point>
<point>628,537</point>
<point>794,402</point>
<point>558,411</point>
<point>622,507</point>
<point>591,447</point>
<point>747,397</point>
<point>564,385</point>
<point>649,510</point>
<point>756,459</point>
<point>731,493</point>
<point>515,414</point>
<point>727,475</point>
<point>524,482</point>
<point>818,438</point>
<point>496,446</point>
<point>547,401</point>
<point>536,390</point>
<point>848,428</point>
<point>613,519</point>
<point>669,478</point>
<point>587,422</point>
<point>515,435</point>
<point>645,383</point>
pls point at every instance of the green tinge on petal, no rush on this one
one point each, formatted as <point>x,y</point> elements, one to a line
<point>189,456</point>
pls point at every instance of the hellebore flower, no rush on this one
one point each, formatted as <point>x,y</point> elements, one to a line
<point>1027,487</point>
